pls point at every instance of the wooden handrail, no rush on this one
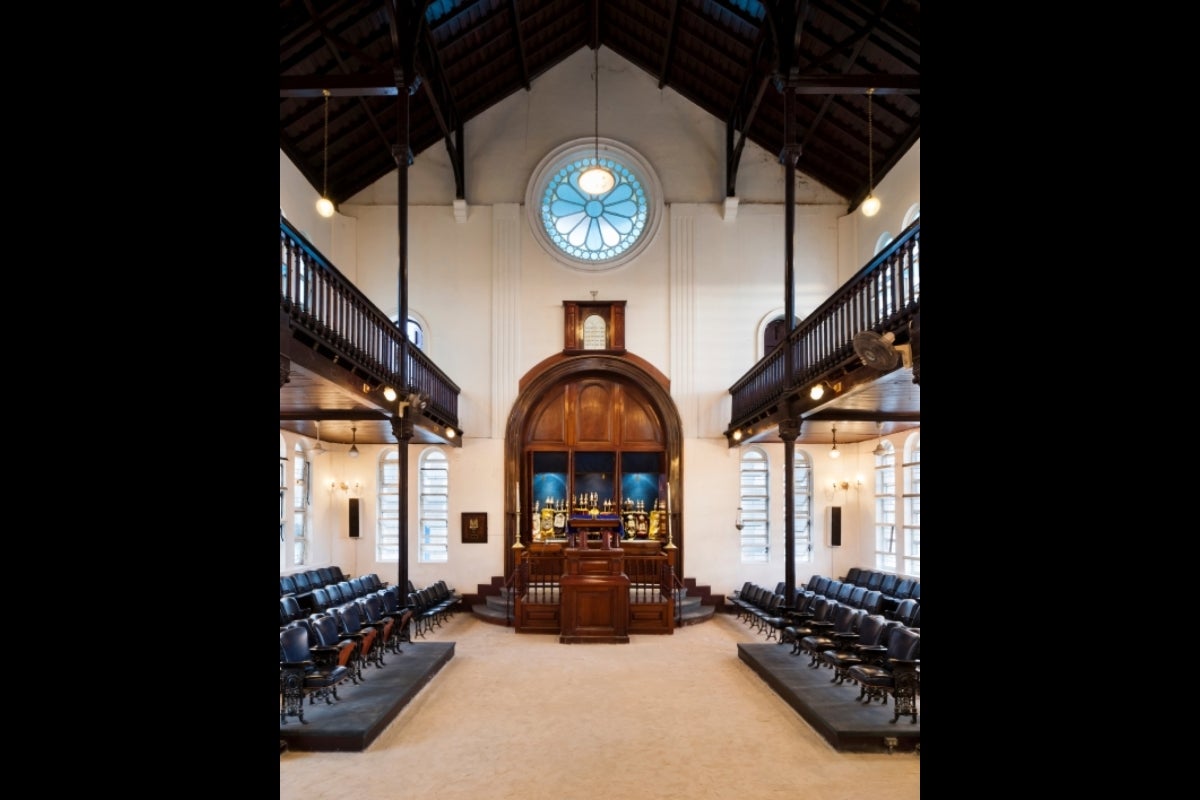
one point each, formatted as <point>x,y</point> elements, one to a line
<point>330,310</point>
<point>885,295</point>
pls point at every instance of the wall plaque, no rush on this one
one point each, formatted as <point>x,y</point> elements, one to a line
<point>474,528</point>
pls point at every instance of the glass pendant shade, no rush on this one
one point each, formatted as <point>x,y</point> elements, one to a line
<point>596,180</point>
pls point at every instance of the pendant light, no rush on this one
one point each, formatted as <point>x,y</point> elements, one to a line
<point>318,450</point>
<point>870,206</point>
<point>353,442</point>
<point>596,179</point>
<point>325,205</point>
<point>879,450</point>
<point>834,452</point>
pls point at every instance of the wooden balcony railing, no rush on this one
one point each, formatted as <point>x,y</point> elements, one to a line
<point>326,307</point>
<point>883,296</point>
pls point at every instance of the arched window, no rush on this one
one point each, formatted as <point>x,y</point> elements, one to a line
<point>433,515</point>
<point>300,501</point>
<point>883,241</point>
<point>387,508</point>
<point>802,513</point>
<point>885,508</point>
<point>912,507</point>
<point>754,502</point>
<point>773,332</point>
<point>415,329</point>
<point>912,215</point>
<point>416,334</point>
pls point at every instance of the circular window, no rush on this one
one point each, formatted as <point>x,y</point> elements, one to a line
<point>593,231</point>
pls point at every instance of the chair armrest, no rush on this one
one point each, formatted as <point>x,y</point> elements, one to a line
<point>325,656</point>
<point>300,665</point>
<point>845,641</point>
<point>872,653</point>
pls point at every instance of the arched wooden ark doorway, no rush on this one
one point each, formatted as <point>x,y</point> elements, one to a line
<point>599,426</point>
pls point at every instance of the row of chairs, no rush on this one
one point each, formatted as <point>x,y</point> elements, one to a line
<point>881,656</point>
<point>335,594</point>
<point>843,634</point>
<point>894,587</point>
<point>301,583</point>
<point>320,651</point>
<point>766,609</point>
<point>432,605</point>
<point>344,627</point>
<point>856,640</point>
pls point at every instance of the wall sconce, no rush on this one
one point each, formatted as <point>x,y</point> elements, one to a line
<point>345,487</point>
<point>738,522</point>
<point>737,435</point>
<point>842,486</point>
<point>818,390</point>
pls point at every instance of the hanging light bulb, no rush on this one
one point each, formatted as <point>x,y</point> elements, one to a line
<point>353,442</point>
<point>870,206</point>
<point>318,450</point>
<point>325,205</point>
<point>834,452</point>
<point>596,179</point>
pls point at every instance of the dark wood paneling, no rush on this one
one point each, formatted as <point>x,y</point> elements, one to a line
<point>596,410</point>
<point>549,422</point>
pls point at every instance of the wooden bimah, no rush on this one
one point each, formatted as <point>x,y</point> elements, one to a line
<point>595,597</point>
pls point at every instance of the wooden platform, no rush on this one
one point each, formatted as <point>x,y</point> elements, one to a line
<point>831,709</point>
<point>365,710</point>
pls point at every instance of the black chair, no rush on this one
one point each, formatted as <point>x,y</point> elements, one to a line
<point>350,621</point>
<point>847,650</point>
<point>326,574</point>
<point>875,581</point>
<point>326,632</point>
<point>372,611</point>
<point>772,609</point>
<point>289,610</point>
<point>401,614</point>
<point>287,585</point>
<point>908,613</point>
<point>821,609</point>
<point>852,575</point>
<point>894,670</point>
<point>872,602</point>
<point>845,619</point>
<point>319,600</point>
<point>304,672</point>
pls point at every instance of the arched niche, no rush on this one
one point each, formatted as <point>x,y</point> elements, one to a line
<point>600,401</point>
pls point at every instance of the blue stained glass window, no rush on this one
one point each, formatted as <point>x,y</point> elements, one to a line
<point>594,227</point>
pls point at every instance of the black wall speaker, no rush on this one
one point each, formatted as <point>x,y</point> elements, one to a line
<point>353,517</point>
<point>835,526</point>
